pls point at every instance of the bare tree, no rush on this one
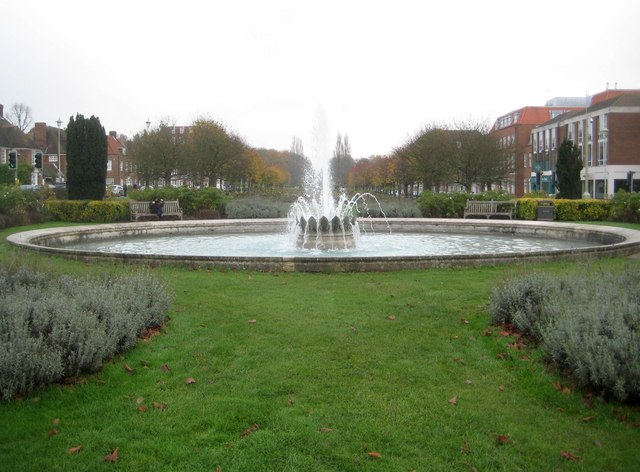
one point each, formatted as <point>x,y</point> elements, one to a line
<point>20,116</point>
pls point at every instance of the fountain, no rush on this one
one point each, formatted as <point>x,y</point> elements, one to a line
<point>316,221</point>
<point>326,237</point>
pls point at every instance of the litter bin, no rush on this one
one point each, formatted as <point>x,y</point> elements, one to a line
<point>546,211</point>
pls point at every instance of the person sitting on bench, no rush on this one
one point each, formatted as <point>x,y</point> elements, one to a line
<point>157,205</point>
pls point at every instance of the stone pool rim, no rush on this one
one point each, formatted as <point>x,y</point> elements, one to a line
<point>608,241</point>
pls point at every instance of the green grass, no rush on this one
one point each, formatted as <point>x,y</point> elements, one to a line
<point>327,377</point>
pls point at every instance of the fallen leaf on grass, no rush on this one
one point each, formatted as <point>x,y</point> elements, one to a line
<point>567,455</point>
<point>189,380</point>
<point>56,421</point>
<point>139,400</point>
<point>454,400</point>
<point>391,317</point>
<point>502,439</point>
<point>464,321</point>
<point>113,457</point>
<point>74,449</point>
<point>249,431</point>
<point>160,405</point>
<point>586,419</point>
<point>325,430</point>
<point>374,454</point>
<point>252,321</point>
<point>143,408</point>
<point>165,368</point>
<point>501,388</point>
<point>128,369</point>
<point>488,332</point>
<point>54,432</point>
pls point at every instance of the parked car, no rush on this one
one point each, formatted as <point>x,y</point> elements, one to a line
<point>117,190</point>
<point>30,187</point>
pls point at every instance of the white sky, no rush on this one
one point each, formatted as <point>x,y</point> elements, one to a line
<point>380,69</point>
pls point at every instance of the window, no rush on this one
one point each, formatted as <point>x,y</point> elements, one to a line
<point>109,165</point>
<point>553,138</point>
<point>603,122</point>
<point>602,153</point>
<point>570,127</point>
<point>580,127</point>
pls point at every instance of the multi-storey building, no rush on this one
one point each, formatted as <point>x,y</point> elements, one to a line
<point>608,134</point>
<point>119,165</point>
<point>513,132</point>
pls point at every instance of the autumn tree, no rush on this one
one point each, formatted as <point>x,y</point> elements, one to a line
<point>247,170</point>
<point>568,170</point>
<point>341,162</point>
<point>295,164</point>
<point>296,146</point>
<point>430,154</point>
<point>157,153</point>
<point>210,151</point>
<point>86,158</point>
<point>478,159</point>
<point>19,115</point>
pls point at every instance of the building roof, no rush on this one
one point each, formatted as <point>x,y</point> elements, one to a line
<point>609,94</point>
<point>568,102</point>
<point>630,99</point>
<point>114,145</point>
<point>50,146</point>
<point>12,137</point>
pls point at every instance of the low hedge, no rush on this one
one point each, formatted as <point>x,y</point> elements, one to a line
<point>53,328</point>
<point>566,210</point>
<point>85,211</point>
<point>451,204</point>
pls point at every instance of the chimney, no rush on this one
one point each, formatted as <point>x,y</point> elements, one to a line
<point>113,134</point>
<point>40,135</point>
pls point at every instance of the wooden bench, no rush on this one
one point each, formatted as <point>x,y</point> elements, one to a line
<point>491,208</point>
<point>143,209</point>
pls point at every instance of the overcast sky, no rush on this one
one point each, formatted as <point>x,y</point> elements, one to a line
<point>380,69</point>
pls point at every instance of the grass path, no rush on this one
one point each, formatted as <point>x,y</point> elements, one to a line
<point>343,372</point>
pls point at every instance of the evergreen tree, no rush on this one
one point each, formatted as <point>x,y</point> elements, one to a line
<point>86,158</point>
<point>568,170</point>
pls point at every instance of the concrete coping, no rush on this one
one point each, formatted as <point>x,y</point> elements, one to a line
<point>608,241</point>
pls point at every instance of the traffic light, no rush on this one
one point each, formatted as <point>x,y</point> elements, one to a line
<point>13,159</point>
<point>38,160</point>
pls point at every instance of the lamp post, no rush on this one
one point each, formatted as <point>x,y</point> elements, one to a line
<point>148,123</point>
<point>59,122</point>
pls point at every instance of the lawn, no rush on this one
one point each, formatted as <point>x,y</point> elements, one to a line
<point>341,372</point>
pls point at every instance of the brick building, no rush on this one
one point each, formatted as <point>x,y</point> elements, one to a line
<point>513,132</point>
<point>608,133</point>
<point>11,137</point>
<point>54,162</point>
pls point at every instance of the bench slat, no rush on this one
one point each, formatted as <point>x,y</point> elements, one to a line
<point>170,208</point>
<point>489,208</point>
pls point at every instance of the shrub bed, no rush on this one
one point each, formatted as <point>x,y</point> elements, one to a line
<point>209,200</point>
<point>587,324</point>
<point>84,211</point>
<point>451,205</point>
<point>20,207</point>
<point>52,328</point>
<point>626,207</point>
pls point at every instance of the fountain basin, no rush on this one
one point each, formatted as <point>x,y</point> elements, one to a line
<point>602,241</point>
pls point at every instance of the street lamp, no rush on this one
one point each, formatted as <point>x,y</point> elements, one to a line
<point>148,123</point>
<point>59,122</point>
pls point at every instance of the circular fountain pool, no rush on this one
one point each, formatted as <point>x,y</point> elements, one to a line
<point>393,244</point>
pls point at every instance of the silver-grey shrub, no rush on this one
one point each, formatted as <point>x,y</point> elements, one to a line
<point>588,325</point>
<point>51,328</point>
